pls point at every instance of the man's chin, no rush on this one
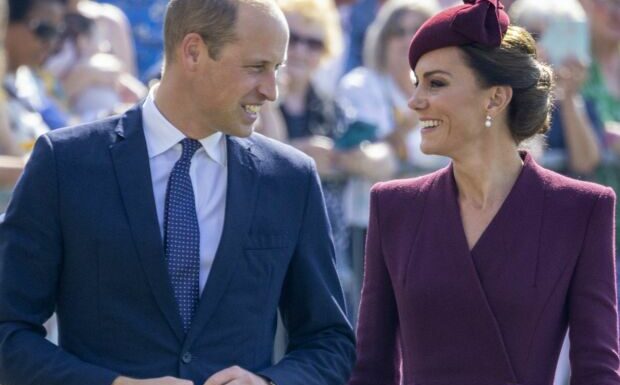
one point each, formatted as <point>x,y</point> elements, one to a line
<point>244,131</point>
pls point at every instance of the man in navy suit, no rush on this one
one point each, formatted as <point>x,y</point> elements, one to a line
<point>164,265</point>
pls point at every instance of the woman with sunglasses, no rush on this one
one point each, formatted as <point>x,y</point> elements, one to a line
<point>377,93</point>
<point>34,31</point>
<point>34,27</point>
<point>313,123</point>
<point>475,272</point>
<point>11,161</point>
<point>375,98</point>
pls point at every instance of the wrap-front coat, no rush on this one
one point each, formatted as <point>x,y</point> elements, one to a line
<point>495,314</point>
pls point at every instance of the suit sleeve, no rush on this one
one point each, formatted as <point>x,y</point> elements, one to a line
<point>321,347</point>
<point>30,266</point>
<point>593,318</point>
<point>378,357</point>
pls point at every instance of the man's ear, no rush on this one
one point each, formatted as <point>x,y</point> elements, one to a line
<point>192,49</point>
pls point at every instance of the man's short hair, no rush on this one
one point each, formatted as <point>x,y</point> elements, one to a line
<point>213,20</point>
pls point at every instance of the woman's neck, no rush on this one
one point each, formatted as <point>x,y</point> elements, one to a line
<point>485,178</point>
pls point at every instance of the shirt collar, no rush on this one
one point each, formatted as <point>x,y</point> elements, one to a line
<point>161,135</point>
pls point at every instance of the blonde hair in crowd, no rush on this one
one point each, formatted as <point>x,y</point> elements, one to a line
<point>322,13</point>
<point>389,15</point>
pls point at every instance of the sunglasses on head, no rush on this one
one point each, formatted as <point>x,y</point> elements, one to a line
<point>312,43</point>
<point>45,31</point>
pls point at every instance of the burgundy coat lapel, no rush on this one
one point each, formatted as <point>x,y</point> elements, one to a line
<point>442,281</point>
<point>511,241</point>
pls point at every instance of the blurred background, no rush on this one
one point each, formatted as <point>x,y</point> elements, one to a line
<point>343,93</point>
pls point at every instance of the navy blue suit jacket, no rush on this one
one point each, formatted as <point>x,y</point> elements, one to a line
<point>81,238</point>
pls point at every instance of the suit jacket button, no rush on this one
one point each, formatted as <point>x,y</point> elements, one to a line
<point>186,358</point>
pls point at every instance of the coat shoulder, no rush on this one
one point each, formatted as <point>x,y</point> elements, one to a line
<point>274,153</point>
<point>561,188</point>
<point>104,128</point>
<point>406,188</point>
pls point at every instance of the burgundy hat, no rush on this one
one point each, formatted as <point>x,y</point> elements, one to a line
<point>477,21</point>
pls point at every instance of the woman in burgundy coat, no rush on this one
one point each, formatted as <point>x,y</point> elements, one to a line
<point>475,272</point>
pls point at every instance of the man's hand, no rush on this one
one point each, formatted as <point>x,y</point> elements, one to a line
<point>151,381</point>
<point>235,376</point>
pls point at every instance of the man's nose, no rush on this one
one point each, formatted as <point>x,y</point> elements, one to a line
<point>268,86</point>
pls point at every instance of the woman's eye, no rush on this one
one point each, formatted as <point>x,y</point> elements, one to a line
<point>437,83</point>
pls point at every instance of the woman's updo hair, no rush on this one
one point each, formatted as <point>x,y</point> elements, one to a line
<point>514,63</point>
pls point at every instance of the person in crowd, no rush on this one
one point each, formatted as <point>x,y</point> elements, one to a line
<point>146,18</point>
<point>95,66</point>
<point>34,27</point>
<point>374,98</point>
<point>603,84</point>
<point>475,272</point>
<point>376,94</point>
<point>109,29</point>
<point>315,124</point>
<point>360,15</point>
<point>24,82</point>
<point>168,238</point>
<point>575,142</point>
<point>11,160</point>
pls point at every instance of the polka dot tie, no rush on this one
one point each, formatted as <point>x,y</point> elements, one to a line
<point>182,235</point>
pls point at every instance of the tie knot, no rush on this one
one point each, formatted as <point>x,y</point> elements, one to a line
<point>190,146</point>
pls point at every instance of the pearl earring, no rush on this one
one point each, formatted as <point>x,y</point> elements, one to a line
<point>488,121</point>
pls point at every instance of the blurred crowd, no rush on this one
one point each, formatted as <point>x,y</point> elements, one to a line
<point>342,94</point>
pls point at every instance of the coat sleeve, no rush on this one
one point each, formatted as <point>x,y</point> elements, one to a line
<point>378,353</point>
<point>593,318</point>
<point>30,266</point>
<point>321,346</point>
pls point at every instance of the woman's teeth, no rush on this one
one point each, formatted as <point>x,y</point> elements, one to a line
<point>430,123</point>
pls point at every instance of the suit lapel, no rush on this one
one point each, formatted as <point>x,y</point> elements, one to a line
<point>131,163</point>
<point>243,177</point>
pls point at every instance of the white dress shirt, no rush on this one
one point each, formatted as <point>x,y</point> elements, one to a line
<point>208,172</point>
